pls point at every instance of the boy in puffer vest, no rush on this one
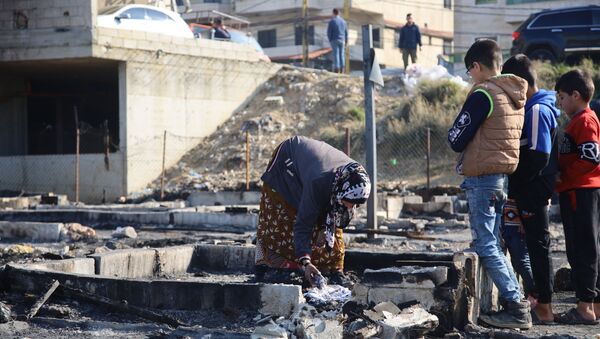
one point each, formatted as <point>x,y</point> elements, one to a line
<point>487,133</point>
<point>579,194</point>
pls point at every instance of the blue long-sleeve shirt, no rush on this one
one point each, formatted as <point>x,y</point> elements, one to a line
<point>476,109</point>
<point>337,30</point>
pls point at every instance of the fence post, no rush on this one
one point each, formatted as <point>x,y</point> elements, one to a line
<point>367,38</point>
<point>77,141</point>
<point>162,176</point>
<point>428,157</point>
<point>247,160</point>
<point>347,141</point>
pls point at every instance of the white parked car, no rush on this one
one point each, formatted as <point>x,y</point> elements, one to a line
<point>144,18</point>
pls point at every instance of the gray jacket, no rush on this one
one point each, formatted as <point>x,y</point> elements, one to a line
<point>303,173</point>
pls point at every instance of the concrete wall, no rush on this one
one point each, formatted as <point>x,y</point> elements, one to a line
<point>496,20</point>
<point>186,87</point>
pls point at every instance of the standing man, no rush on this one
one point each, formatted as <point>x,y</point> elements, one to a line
<point>410,37</point>
<point>337,33</point>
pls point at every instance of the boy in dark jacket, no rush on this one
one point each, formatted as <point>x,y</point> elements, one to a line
<point>579,189</point>
<point>532,184</point>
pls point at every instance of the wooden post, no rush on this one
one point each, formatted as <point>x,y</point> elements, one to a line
<point>247,160</point>
<point>77,141</point>
<point>428,157</point>
<point>162,176</point>
<point>305,33</point>
<point>347,141</point>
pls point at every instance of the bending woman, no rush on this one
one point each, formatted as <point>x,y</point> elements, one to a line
<point>309,195</point>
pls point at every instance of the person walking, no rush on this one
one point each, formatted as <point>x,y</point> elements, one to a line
<point>337,33</point>
<point>410,37</point>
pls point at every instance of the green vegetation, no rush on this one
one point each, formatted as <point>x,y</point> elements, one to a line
<point>358,113</point>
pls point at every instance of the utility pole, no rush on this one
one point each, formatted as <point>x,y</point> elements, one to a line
<point>367,40</point>
<point>305,33</point>
<point>346,46</point>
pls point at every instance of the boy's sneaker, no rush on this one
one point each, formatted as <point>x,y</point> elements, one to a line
<point>514,315</point>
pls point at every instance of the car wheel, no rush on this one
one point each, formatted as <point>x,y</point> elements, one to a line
<point>542,54</point>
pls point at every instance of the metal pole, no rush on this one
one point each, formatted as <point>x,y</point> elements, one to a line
<point>305,33</point>
<point>162,176</point>
<point>428,156</point>
<point>247,160</point>
<point>77,142</point>
<point>347,141</point>
<point>346,46</point>
<point>367,39</point>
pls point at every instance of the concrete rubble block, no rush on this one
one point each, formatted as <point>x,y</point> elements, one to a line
<point>34,231</point>
<point>411,276</point>
<point>402,295</point>
<point>136,263</point>
<point>413,199</point>
<point>269,331</point>
<point>428,208</point>
<point>412,322</point>
<point>444,198</point>
<point>19,202</point>
<point>76,266</point>
<point>316,328</point>
<point>202,198</point>
<point>243,221</point>
<point>219,257</point>
<point>275,100</point>
<point>360,328</point>
<point>279,299</point>
<point>124,232</point>
<point>393,206</point>
<point>175,260</point>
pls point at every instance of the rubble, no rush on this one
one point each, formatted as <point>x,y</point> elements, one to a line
<point>270,331</point>
<point>5,313</point>
<point>77,232</point>
<point>124,232</point>
<point>412,322</point>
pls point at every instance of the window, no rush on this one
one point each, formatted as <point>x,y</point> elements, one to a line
<point>377,43</point>
<point>212,1</point>
<point>447,47</point>
<point>298,35</point>
<point>157,16</point>
<point>267,38</point>
<point>448,4</point>
<point>573,18</point>
<point>483,2</point>
<point>136,13</point>
<point>518,2</point>
<point>596,17</point>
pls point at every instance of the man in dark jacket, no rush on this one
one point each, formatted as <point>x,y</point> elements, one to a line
<point>337,33</point>
<point>532,184</point>
<point>410,37</point>
<point>219,31</point>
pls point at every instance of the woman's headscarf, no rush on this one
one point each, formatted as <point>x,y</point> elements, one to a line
<point>351,183</point>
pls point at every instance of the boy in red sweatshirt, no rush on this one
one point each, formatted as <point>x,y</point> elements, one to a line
<point>579,188</point>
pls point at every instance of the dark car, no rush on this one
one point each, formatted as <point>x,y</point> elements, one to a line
<point>559,33</point>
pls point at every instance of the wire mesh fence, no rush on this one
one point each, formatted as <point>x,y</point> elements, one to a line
<point>163,165</point>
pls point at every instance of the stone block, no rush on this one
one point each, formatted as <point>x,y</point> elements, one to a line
<point>401,295</point>
<point>394,206</point>
<point>137,263</point>
<point>413,199</point>
<point>175,260</point>
<point>243,221</point>
<point>218,257</point>
<point>280,299</point>
<point>76,266</point>
<point>427,208</point>
<point>413,276</point>
<point>33,231</point>
<point>201,198</point>
<point>412,322</point>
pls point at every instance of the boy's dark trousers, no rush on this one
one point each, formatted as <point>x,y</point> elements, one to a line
<point>537,237</point>
<point>579,210</point>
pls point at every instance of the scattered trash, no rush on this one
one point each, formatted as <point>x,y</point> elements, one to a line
<point>416,73</point>
<point>328,294</point>
<point>124,232</point>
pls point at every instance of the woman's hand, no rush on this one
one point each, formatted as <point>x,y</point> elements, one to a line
<point>311,273</point>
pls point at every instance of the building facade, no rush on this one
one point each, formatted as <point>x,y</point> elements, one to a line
<point>277,25</point>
